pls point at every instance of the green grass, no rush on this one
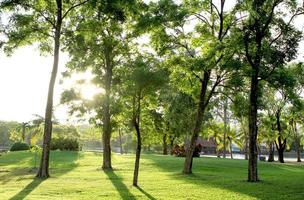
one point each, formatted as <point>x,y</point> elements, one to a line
<point>78,176</point>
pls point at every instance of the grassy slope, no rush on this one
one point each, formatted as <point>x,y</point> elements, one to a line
<point>78,176</point>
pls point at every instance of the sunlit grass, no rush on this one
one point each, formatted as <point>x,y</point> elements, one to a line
<point>79,176</point>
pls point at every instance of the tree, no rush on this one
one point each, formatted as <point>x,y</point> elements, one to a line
<point>100,43</point>
<point>269,41</point>
<point>195,69</point>
<point>43,22</point>
<point>142,80</point>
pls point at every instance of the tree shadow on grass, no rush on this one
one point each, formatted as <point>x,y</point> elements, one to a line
<point>278,182</point>
<point>149,196</point>
<point>28,189</point>
<point>60,164</point>
<point>119,185</point>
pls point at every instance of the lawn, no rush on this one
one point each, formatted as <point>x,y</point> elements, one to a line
<point>79,176</point>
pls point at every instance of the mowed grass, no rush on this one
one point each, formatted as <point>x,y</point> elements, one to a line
<point>79,176</point>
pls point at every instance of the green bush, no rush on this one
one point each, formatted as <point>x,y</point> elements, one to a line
<point>65,144</point>
<point>20,146</point>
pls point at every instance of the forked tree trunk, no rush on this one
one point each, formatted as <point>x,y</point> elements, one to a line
<point>106,136</point>
<point>43,171</point>
<point>198,123</point>
<point>271,152</point>
<point>165,145</point>
<point>253,129</point>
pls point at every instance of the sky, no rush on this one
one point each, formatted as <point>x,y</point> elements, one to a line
<point>24,79</point>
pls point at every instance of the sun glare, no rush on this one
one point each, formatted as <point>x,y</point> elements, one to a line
<point>89,91</point>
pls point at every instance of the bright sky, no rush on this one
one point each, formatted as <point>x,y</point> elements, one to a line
<point>24,79</point>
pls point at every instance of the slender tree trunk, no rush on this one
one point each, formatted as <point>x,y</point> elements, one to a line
<point>298,149</point>
<point>225,127</point>
<point>136,122</point>
<point>120,141</point>
<point>137,158</point>
<point>281,144</point>
<point>106,136</point>
<point>253,129</point>
<point>297,142</point>
<point>271,152</point>
<point>43,171</point>
<point>198,123</point>
<point>165,146</point>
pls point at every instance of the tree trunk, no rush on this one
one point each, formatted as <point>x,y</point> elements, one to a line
<point>120,141</point>
<point>225,127</point>
<point>198,122</point>
<point>271,152</point>
<point>171,145</point>
<point>280,144</point>
<point>297,142</point>
<point>253,129</point>
<point>43,171</point>
<point>165,146</point>
<point>137,158</point>
<point>298,150</point>
<point>106,136</point>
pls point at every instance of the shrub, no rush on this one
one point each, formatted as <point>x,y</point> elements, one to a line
<point>20,146</point>
<point>65,144</point>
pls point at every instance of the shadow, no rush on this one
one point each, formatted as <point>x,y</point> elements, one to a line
<point>278,181</point>
<point>28,189</point>
<point>119,185</point>
<point>61,162</point>
<point>149,196</point>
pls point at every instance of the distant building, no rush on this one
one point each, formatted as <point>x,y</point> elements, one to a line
<point>208,145</point>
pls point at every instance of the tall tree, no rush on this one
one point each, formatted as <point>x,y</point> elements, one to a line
<point>99,43</point>
<point>43,22</point>
<point>269,42</point>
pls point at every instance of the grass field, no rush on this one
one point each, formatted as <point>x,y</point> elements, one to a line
<point>78,176</point>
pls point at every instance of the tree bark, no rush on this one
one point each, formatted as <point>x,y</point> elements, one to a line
<point>43,171</point>
<point>198,123</point>
<point>165,145</point>
<point>271,152</point>
<point>253,129</point>
<point>106,136</point>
